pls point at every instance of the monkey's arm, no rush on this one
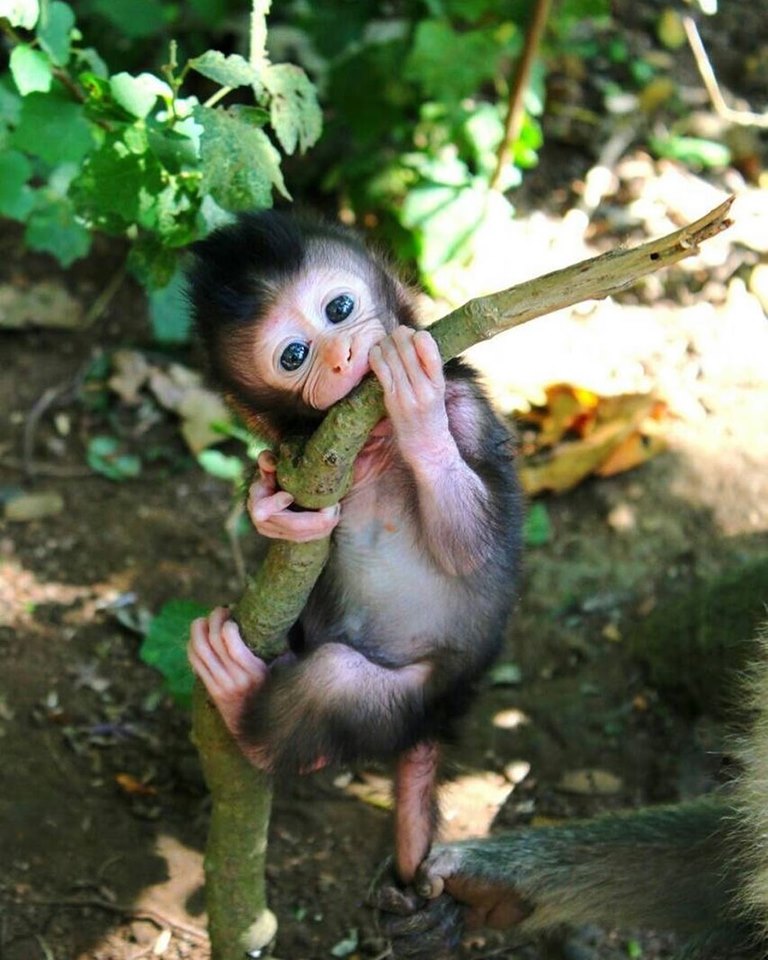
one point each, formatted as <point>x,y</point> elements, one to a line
<point>454,502</point>
<point>669,868</point>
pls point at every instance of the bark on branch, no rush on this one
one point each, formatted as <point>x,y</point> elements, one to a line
<point>318,475</point>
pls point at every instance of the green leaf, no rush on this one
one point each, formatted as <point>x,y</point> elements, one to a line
<point>20,13</point>
<point>451,65</point>
<point>31,70</point>
<point>52,228</point>
<point>105,456</point>
<point>90,59</point>
<point>54,31</point>
<point>228,71</point>
<point>53,128</point>
<point>16,197</point>
<point>165,647</point>
<point>445,218</point>
<point>138,95</point>
<point>295,114</point>
<point>240,164</point>
<point>137,18</point>
<point>176,148</point>
<point>172,212</point>
<point>152,263</point>
<point>113,180</point>
<point>347,946</point>
<point>694,151</point>
<point>169,311</point>
<point>222,466</point>
<point>537,528</point>
<point>10,103</point>
<point>505,674</point>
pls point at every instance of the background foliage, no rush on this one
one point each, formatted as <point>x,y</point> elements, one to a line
<point>144,119</point>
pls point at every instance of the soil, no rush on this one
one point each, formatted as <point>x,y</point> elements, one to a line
<point>103,810</point>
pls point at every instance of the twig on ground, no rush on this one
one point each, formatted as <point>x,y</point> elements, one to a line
<point>152,916</point>
<point>744,118</point>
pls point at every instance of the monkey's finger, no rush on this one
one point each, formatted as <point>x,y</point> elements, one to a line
<point>410,361</point>
<point>430,886</point>
<point>264,485</point>
<point>301,527</point>
<point>440,864</point>
<point>261,508</point>
<point>380,368</point>
<point>202,657</point>
<point>392,898</point>
<point>217,618</point>
<point>266,462</point>
<point>429,356</point>
<point>240,653</point>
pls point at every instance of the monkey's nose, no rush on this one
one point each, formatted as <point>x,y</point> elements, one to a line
<point>337,354</point>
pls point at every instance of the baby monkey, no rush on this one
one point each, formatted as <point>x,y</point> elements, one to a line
<point>411,607</point>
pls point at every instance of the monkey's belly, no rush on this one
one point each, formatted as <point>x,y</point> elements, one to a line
<point>388,600</point>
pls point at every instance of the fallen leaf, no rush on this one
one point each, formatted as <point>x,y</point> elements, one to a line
<point>591,783</point>
<point>133,786</point>
<point>46,304</point>
<point>577,434</point>
<point>372,789</point>
<point>199,409</point>
<point>131,372</point>
<point>33,506</point>
<point>181,390</point>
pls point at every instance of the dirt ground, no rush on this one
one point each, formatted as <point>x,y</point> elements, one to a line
<point>102,807</point>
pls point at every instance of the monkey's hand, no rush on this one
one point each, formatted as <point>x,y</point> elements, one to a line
<point>452,498</point>
<point>489,897</point>
<point>410,370</point>
<point>229,671</point>
<point>268,508</point>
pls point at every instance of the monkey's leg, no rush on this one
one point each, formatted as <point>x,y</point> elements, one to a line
<point>415,808</point>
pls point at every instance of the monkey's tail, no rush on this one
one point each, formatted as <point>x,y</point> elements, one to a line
<point>751,800</point>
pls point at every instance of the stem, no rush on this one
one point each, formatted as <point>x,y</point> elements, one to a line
<point>520,82</point>
<point>257,54</point>
<point>219,95</point>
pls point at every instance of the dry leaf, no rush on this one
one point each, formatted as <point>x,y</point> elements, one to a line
<point>579,433</point>
<point>33,506</point>
<point>131,372</point>
<point>133,786</point>
<point>181,390</point>
<point>46,304</point>
<point>592,783</point>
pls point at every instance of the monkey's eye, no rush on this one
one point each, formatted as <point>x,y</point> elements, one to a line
<point>339,308</point>
<point>294,355</point>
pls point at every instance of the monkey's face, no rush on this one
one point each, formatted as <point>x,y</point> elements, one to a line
<point>315,339</point>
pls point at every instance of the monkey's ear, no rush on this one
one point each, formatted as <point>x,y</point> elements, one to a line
<point>255,423</point>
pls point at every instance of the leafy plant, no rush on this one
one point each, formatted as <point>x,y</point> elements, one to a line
<point>428,163</point>
<point>86,150</point>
